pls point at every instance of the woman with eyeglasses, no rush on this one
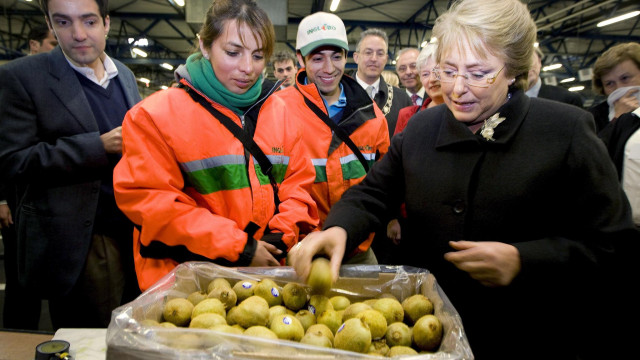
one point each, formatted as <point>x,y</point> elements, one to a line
<point>512,202</point>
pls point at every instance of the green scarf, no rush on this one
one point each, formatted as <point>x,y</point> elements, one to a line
<point>204,79</point>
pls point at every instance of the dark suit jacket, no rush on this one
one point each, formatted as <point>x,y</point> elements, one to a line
<point>600,114</point>
<point>399,101</point>
<point>50,148</point>
<point>544,184</point>
<point>561,94</point>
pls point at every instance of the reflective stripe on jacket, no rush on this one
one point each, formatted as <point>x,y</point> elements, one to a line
<point>184,181</point>
<point>336,167</point>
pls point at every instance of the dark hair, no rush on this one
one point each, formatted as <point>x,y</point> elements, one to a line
<point>244,12</point>
<point>38,33</point>
<point>103,7</point>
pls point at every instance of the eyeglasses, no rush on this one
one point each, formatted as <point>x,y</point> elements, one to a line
<point>426,73</point>
<point>472,79</point>
<point>404,68</point>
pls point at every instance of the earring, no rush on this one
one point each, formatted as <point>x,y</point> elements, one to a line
<point>206,55</point>
<point>512,81</point>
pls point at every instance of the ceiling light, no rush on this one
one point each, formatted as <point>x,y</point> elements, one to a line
<point>618,18</point>
<point>144,80</point>
<point>424,43</point>
<point>576,88</point>
<point>139,52</point>
<point>568,80</point>
<point>167,66</point>
<point>552,67</point>
<point>334,5</point>
<point>178,2</point>
<point>536,44</point>
<point>433,39</point>
<point>164,87</point>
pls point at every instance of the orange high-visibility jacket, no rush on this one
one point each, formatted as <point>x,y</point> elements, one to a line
<point>336,167</point>
<point>184,182</point>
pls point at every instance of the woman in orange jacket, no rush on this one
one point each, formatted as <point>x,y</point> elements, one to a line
<point>191,187</point>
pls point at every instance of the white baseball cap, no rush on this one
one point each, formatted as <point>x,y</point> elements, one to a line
<point>321,29</point>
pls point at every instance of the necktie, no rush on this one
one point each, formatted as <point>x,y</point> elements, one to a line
<point>370,91</point>
<point>414,99</point>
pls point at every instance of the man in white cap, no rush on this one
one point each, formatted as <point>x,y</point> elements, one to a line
<point>334,111</point>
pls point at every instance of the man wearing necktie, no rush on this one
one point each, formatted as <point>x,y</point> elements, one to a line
<point>371,56</point>
<point>408,74</point>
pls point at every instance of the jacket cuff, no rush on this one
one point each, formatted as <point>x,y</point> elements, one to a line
<point>249,251</point>
<point>275,239</point>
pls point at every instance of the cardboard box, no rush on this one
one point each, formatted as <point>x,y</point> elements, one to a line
<point>128,339</point>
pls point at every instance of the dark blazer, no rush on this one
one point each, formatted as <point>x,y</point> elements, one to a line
<point>561,94</point>
<point>544,184</point>
<point>615,136</point>
<point>399,101</point>
<point>600,114</point>
<point>50,148</point>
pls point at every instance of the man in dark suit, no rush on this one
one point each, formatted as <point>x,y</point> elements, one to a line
<point>60,138</point>
<point>371,56</point>
<point>538,89</point>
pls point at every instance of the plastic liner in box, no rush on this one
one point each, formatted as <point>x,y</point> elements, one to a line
<point>129,339</point>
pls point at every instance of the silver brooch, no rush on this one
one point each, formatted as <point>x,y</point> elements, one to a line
<point>490,124</point>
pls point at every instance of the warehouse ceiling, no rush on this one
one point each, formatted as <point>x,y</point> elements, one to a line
<point>567,30</point>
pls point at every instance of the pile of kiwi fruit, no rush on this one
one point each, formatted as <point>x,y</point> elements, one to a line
<point>382,326</point>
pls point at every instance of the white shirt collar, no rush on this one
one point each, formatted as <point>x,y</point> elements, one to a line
<point>535,89</point>
<point>376,84</point>
<point>110,71</point>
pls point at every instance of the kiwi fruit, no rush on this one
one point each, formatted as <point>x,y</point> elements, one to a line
<point>209,306</point>
<point>391,309</point>
<point>252,311</point>
<point>306,318</point>
<point>231,320</point>
<point>339,302</point>
<point>352,310</point>
<point>398,333</point>
<point>294,296</point>
<point>218,283</point>
<point>316,339</point>
<point>415,307</point>
<point>427,333</point>
<point>276,310</point>
<point>330,318</point>
<point>400,350</point>
<point>319,304</point>
<point>261,332</point>
<point>244,289</point>
<point>353,335</point>
<point>322,329</point>
<point>197,296</point>
<point>268,290</point>
<point>207,320</point>
<point>226,295</point>
<point>379,347</point>
<point>287,327</point>
<point>227,329</point>
<point>320,277</point>
<point>376,322</point>
<point>178,311</point>
<point>166,324</point>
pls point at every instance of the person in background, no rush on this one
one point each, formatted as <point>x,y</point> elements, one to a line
<point>391,78</point>
<point>425,63</point>
<point>21,309</point>
<point>621,134</point>
<point>284,67</point>
<point>616,74</point>
<point>371,56</point>
<point>41,39</point>
<point>322,85</point>
<point>190,186</point>
<point>512,203</point>
<point>60,138</point>
<point>538,89</point>
<point>408,73</point>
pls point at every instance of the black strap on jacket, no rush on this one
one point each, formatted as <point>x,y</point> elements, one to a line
<point>247,141</point>
<point>336,130</point>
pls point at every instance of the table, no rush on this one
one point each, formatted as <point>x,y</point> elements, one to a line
<point>86,344</point>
